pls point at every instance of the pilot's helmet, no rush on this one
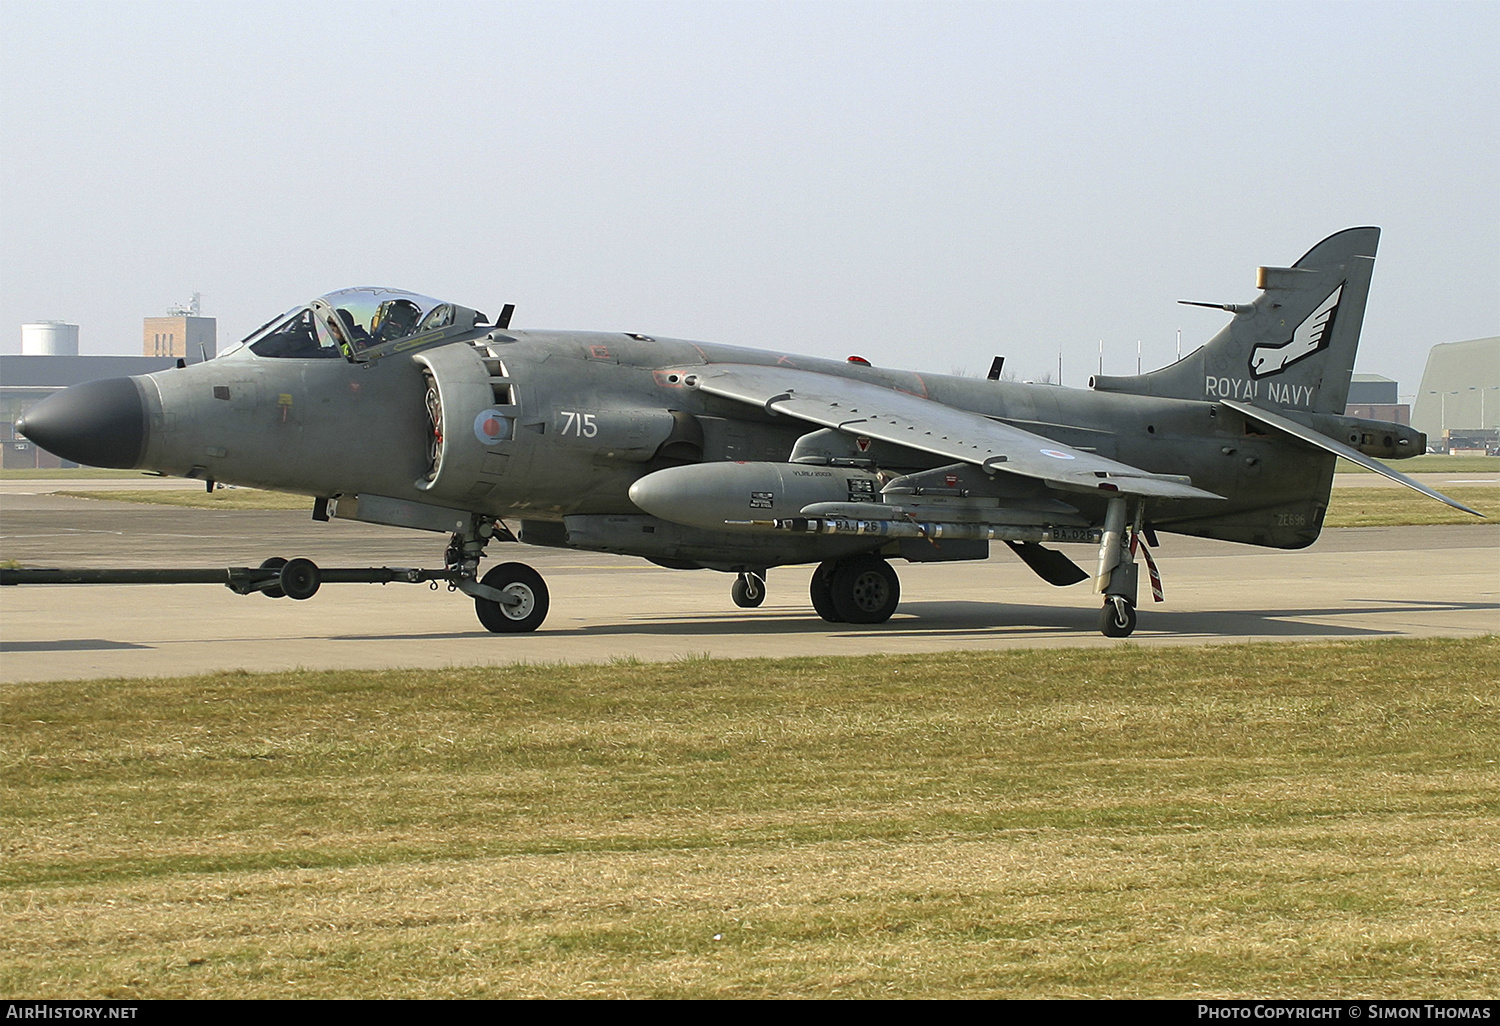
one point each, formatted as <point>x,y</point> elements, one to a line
<point>396,318</point>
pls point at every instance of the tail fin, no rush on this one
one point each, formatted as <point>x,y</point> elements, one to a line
<point>1293,348</point>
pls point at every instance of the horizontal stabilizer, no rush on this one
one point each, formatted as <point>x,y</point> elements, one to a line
<point>1322,441</point>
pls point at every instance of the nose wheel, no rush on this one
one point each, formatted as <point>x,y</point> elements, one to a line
<point>749,589</point>
<point>521,602</point>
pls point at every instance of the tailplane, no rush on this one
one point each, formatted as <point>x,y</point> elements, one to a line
<point>1292,348</point>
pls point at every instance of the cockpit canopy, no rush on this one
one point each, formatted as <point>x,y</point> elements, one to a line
<point>361,324</point>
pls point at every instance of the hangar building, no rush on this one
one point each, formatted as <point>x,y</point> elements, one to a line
<point>1458,402</point>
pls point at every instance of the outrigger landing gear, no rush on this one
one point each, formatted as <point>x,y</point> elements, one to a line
<point>1117,618</point>
<point>749,589</point>
<point>860,589</point>
<point>1117,575</point>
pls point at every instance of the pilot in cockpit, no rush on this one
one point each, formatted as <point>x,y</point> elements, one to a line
<point>396,318</point>
<point>353,322</point>
<point>346,329</point>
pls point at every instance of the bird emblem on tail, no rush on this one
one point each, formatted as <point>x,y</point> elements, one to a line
<point>1311,336</point>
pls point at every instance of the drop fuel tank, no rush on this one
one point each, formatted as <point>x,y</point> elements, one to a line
<point>730,495</point>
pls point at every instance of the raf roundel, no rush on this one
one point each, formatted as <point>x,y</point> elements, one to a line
<point>1055,454</point>
<point>491,426</point>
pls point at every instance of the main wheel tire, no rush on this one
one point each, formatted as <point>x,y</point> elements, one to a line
<point>748,591</point>
<point>865,590</point>
<point>274,591</point>
<point>526,586</point>
<point>820,588</point>
<point>300,579</point>
<point>1117,619</point>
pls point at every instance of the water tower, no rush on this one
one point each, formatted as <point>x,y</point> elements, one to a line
<point>49,338</point>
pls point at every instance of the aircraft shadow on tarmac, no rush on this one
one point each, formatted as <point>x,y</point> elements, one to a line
<point>69,645</point>
<point>988,620</point>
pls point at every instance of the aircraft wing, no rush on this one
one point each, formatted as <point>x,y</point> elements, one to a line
<point>865,409</point>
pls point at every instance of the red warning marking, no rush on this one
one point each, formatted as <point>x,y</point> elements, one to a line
<point>863,443</point>
<point>1156,590</point>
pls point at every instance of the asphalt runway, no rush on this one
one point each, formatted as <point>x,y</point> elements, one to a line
<point>1354,583</point>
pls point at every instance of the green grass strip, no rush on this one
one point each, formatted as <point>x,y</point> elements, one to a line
<point>1275,820</point>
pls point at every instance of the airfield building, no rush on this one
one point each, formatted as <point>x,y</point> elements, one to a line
<point>1458,402</point>
<point>49,362</point>
<point>29,378</point>
<point>1374,397</point>
<point>192,338</point>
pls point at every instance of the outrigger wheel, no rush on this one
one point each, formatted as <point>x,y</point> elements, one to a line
<point>526,600</point>
<point>748,590</point>
<point>1117,618</point>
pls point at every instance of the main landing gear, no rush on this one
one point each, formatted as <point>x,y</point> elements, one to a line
<point>859,589</point>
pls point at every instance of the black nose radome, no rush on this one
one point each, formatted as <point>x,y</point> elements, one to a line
<point>98,423</point>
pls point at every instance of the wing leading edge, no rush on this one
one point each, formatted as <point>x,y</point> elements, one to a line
<point>861,408</point>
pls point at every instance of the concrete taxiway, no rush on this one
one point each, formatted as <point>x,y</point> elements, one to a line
<point>1354,583</point>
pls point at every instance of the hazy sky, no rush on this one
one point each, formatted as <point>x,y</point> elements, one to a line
<point>924,184</point>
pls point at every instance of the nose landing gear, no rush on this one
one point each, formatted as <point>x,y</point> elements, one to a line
<point>512,598</point>
<point>522,602</point>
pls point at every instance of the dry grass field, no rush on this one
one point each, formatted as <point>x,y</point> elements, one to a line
<point>222,498</point>
<point>1432,463</point>
<point>1277,820</point>
<point>1397,507</point>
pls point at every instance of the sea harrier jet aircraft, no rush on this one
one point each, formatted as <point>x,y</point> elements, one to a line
<point>396,408</point>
